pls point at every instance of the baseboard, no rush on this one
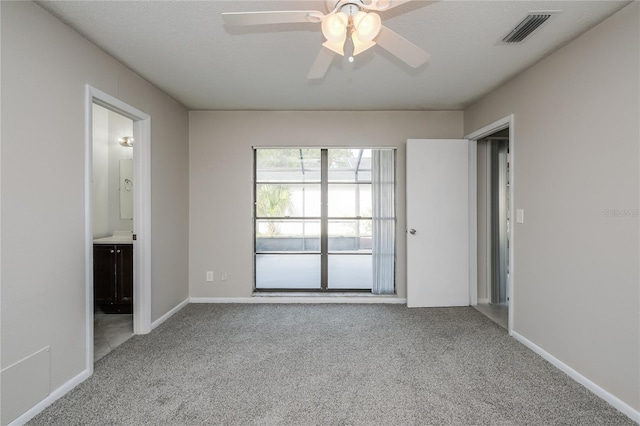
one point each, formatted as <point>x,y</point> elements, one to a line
<point>302,299</point>
<point>617,403</point>
<point>53,397</point>
<point>169,314</point>
<point>483,301</point>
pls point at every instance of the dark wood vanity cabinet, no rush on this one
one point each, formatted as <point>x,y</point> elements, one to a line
<point>113,277</point>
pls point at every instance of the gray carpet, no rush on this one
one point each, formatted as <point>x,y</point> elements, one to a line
<point>327,365</point>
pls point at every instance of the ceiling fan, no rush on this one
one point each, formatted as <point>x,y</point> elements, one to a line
<point>350,27</point>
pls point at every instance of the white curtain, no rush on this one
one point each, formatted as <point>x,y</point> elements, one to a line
<point>384,221</point>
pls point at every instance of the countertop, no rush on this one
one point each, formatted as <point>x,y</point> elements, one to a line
<point>119,237</point>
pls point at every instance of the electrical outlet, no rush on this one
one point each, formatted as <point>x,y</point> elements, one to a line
<point>224,277</point>
<point>209,276</point>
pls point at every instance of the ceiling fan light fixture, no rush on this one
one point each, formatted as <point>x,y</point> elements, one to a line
<point>334,27</point>
<point>350,27</point>
<point>360,46</point>
<point>367,25</point>
<point>335,47</point>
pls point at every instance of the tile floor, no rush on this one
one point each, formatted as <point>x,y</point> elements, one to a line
<point>109,332</point>
<point>497,313</point>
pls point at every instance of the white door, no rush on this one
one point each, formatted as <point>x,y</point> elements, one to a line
<point>437,222</point>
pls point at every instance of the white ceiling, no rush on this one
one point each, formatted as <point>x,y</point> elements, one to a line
<point>184,48</point>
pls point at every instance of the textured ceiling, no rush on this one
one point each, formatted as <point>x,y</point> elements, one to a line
<point>184,48</point>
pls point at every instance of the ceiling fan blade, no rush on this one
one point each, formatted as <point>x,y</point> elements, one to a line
<point>382,5</point>
<point>321,64</point>
<point>402,48</point>
<point>272,17</point>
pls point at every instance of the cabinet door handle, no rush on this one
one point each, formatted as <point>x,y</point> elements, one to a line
<point>111,250</point>
<point>118,251</point>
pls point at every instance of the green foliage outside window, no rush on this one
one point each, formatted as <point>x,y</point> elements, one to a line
<point>273,201</point>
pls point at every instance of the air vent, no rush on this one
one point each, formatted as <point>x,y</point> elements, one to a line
<point>528,25</point>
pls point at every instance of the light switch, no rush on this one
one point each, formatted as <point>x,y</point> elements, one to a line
<point>520,215</point>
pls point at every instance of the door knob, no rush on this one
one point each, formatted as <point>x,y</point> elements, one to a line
<point>412,231</point>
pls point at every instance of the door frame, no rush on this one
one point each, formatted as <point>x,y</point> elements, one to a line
<point>507,122</point>
<point>141,213</point>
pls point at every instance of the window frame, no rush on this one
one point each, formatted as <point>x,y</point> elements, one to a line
<point>324,219</point>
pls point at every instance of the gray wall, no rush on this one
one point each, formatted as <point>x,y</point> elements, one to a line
<point>576,292</point>
<point>221,178</point>
<point>45,66</point>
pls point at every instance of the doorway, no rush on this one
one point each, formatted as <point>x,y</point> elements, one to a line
<point>122,157</point>
<point>493,226</point>
<point>482,252</point>
<point>112,230</point>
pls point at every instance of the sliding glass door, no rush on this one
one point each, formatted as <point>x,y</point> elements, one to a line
<point>288,218</point>
<point>348,219</point>
<point>313,219</point>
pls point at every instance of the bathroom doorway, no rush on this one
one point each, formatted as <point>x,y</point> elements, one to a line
<point>118,223</point>
<point>112,230</point>
<point>494,220</point>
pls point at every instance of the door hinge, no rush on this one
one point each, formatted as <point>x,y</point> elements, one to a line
<point>134,237</point>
